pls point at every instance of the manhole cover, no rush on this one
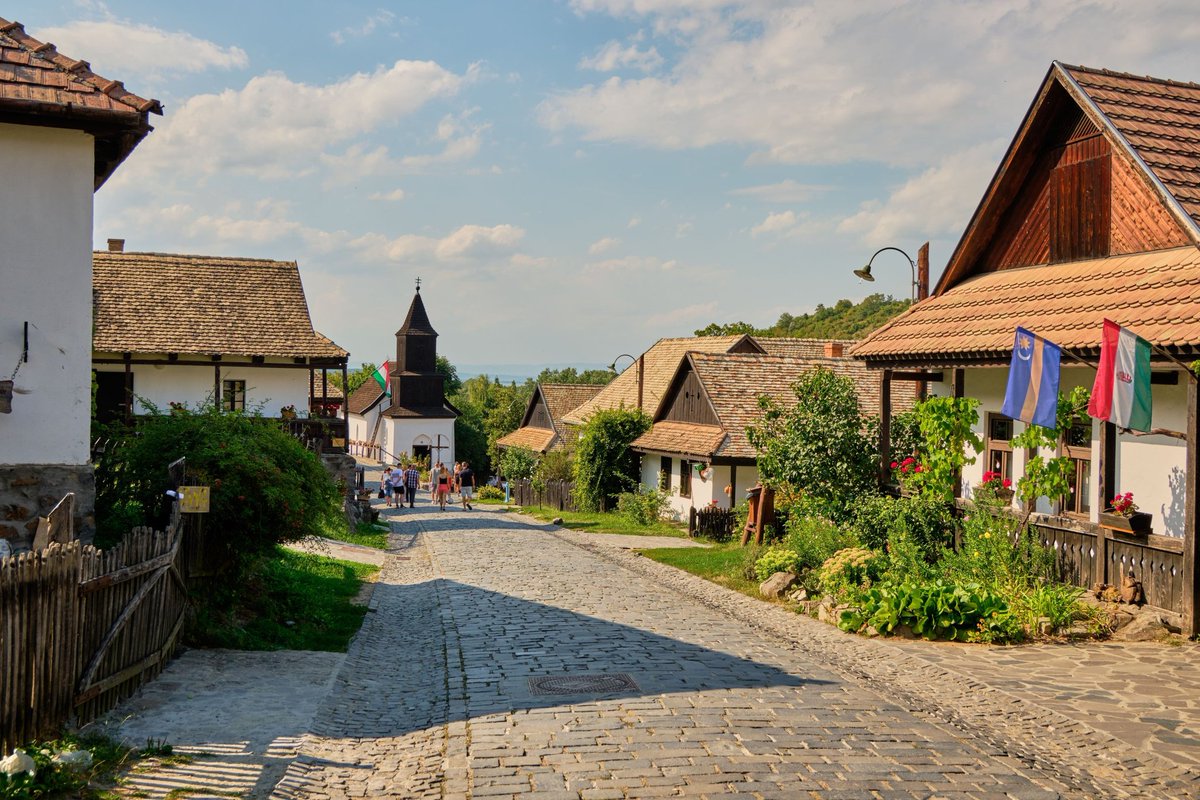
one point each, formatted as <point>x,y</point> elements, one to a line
<point>595,683</point>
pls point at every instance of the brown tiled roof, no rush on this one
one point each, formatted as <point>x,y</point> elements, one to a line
<point>332,392</point>
<point>688,438</point>
<point>364,397</point>
<point>661,360</point>
<point>1156,294</point>
<point>165,303</point>
<point>1159,119</point>
<point>535,439</point>
<point>42,86</point>
<point>562,398</point>
<point>800,348</point>
<point>430,412</point>
<point>735,381</point>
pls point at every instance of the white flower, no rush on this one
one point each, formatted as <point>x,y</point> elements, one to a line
<point>17,763</point>
<point>74,759</point>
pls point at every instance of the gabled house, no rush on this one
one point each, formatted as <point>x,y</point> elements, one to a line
<point>185,329</point>
<point>64,130</point>
<point>1093,213</point>
<point>642,384</point>
<point>413,418</point>
<point>542,428</point>
<point>698,450</point>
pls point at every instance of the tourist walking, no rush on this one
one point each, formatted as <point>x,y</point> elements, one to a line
<point>385,485</point>
<point>443,485</point>
<point>397,481</point>
<point>412,477</point>
<point>466,485</point>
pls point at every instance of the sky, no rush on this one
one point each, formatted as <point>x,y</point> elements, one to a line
<point>575,179</point>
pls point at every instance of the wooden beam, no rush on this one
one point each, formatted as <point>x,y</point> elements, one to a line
<point>885,426</point>
<point>959,382</point>
<point>922,377</point>
<point>923,272</point>
<point>128,388</point>
<point>178,362</point>
<point>1190,605</point>
<point>217,386</point>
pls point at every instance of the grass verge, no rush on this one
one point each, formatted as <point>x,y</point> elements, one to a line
<point>296,601</point>
<point>728,564</point>
<point>366,534</point>
<point>604,522</point>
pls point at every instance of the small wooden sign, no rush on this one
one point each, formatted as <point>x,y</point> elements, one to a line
<point>193,499</point>
<point>337,441</point>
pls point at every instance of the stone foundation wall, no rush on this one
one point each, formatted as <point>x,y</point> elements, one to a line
<point>29,491</point>
<point>341,467</point>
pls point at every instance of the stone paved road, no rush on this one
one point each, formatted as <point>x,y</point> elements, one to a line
<point>435,696</point>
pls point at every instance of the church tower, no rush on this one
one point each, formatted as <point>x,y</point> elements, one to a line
<point>415,382</point>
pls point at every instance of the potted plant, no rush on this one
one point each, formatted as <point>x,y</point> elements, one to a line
<point>1123,515</point>
<point>288,412</point>
<point>905,473</point>
<point>997,484</point>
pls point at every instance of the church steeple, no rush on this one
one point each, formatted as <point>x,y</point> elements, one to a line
<point>415,381</point>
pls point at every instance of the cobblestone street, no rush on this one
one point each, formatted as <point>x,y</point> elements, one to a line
<point>663,685</point>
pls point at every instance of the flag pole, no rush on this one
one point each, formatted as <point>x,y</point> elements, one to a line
<point>1076,358</point>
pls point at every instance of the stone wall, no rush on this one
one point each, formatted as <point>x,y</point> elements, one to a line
<point>341,467</point>
<point>29,491</point>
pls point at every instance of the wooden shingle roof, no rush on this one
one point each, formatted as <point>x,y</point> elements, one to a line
<point>660,362</point>
<point>166,303</point>
<point>1156,294</point>
<point>40,86</point>
<point>536,439</point>
<point>563,398</point>
<point>365,397</point>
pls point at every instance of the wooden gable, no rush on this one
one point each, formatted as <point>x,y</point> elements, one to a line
<point>1069,189</point>
<point>537,415</point>
<point>686,399</point>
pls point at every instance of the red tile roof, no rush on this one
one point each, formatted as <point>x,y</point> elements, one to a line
<point>1156,294</point>
<point>41,86</point>
<point>536,439</point>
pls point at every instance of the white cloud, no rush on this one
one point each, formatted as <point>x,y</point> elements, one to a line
<point>603,245</point>
<point>633,222</point>
<point>128,50</point>
<point>275,127</point>
<point>632,264</point>
<point>701,312</point>
<point>775,223</point>
<point>613,56</point>
<point>380,19</point>
<point>832,82</point>
<point>460,142</point>
<point>393,196</point>
<point>683,229</point>
<point>936,202</point>
<point>786,191</point>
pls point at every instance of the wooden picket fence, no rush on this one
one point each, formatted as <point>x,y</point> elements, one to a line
<point>81,629</point>
<point>553,494</point>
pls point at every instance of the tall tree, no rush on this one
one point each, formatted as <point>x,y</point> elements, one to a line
<point>598,377</point>
<point>843,320</point>
<point>357,377</point>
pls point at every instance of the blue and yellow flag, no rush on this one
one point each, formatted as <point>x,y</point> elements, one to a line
<point>1032,394</point>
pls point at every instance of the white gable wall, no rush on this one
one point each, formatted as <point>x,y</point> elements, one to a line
<point>46,279</point>
<point>159,385</point>
<point>398,436</point>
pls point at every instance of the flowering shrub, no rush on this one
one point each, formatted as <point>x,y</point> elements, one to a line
<point>1123,504</point>
<point>776,559</point>
<point>994,480</point>
<point>851,569</point>
<point>905,469</point>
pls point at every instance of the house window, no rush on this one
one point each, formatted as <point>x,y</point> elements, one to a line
<point>999,445</point>
<point>1077,446</point>
<point>664,474</point>
<point>233,395</point>
<point>685,478</point>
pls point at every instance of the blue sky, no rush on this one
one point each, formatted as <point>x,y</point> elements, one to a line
<point>576,179</point>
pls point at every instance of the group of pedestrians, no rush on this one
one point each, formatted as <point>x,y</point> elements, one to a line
<point>400,484</point>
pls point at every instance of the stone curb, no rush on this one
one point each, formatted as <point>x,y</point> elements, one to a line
<point>1068,755</point>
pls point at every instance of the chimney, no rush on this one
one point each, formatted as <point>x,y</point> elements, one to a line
<point>834,349</point>
<point>116,245</point>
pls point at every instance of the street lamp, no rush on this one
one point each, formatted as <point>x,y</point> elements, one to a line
<point>865,272</point>
<point>641,372</point>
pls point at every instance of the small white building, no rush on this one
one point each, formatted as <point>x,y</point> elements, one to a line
<point>199,330</point>
<point>412,418</point>
<point>65,130</point>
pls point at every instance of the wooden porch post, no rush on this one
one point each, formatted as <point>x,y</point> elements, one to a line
<point>732,485</point>
<point>885,425</point>
<point>128,388</point>
<point>217,382</point>
<point>312,389</point>
<point>1190,605</point>
<point>959,382</point>
<point>346,405</point>
<point>1105,489</point>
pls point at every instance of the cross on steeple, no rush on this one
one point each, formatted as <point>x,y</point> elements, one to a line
<point>418,284</point>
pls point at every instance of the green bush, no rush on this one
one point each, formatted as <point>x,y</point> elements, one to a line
<point>851,570</point>
<point>926,519</point>
<point>643,507</point>
<point>489,493</point>
<point>814,541</point>
<point>604,464</point>
<point>933,610</point>
<point>1056,602</point>
<point>266,488</point>
<point>557,465</point>
<point>776,559</point>
<point>992,553</point>
<point>518,463</point>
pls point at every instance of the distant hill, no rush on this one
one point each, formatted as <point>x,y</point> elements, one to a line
<point>842,320</point>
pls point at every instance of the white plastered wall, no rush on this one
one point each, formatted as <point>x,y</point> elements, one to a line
<point>402,433</point>
<point>1152,467</point>
<point>704,491</point>
<point>46,280</point>
<point>267,389</point>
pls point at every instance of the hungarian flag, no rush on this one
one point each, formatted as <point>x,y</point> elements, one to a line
<point>381,377</point>
<point>1121,393</point>
<point>1032,392</point>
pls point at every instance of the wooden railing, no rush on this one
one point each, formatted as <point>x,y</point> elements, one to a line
<point>713,523</point>
<point>553,494</point>
<point>319,434</point>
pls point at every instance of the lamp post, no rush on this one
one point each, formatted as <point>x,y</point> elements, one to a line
<point>641,372</point>
<point>865,272</point>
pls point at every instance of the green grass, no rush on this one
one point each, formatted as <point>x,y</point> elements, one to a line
<point>297,601</point>
<point>724,564</point>
<point>604,523</point>
<point>365,534</point>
